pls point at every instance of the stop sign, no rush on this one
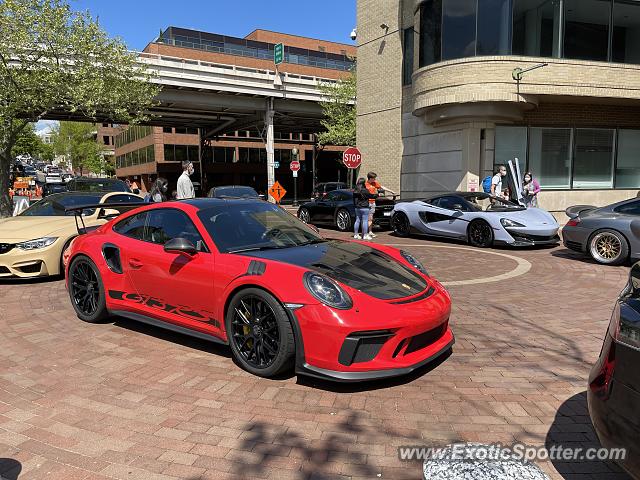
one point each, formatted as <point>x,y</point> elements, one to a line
<point>294,166</point>
<point>352,158</point>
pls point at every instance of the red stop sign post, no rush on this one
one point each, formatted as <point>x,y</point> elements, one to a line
<point>352,158</point>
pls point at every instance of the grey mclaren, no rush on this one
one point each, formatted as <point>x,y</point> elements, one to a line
<point>610,235</point>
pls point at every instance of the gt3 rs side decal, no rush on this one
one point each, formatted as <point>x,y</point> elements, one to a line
<point>149,301</point>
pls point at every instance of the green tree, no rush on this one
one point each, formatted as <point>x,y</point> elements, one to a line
<point>340,112</point>
<point>56,61</point>
<point>76,141</point>
<point>27,143</point>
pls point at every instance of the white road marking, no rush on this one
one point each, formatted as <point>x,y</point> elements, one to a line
<point>522,268</point>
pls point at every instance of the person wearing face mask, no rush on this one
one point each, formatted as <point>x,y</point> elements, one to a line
<point>185,186</point>
<point>158,192</point>
<point>530,190</point>
<point>496,182</point>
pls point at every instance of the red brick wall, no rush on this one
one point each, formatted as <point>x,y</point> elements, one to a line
<point>302,42</point>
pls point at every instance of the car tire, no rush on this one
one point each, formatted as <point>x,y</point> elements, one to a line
<point>86,290</point>
<point>304,215</point>
<point>608,247</point>
<point>400,224</point>
<point>480,234</point>
<point>343,220</point>
<point>252,313</point>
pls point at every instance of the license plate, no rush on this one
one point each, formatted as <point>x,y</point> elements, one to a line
<point>387,214</point>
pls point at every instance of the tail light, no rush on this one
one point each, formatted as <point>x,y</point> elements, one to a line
<point>574,222</point>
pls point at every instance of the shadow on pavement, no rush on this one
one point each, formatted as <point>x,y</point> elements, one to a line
<point>31,281</point>
<point>9,469</point>
<point>572,428</point>
<point>583,257</point>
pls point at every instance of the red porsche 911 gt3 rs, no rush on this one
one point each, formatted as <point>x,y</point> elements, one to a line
<point>248,274</point>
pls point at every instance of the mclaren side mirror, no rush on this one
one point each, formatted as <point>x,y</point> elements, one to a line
<point>180,245</point>
<point>457,206</point>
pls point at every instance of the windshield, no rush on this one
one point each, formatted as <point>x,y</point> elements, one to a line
<point>98,186</point>
<point>238,192</point>
<point>237,227</point>
<point>54,205</point>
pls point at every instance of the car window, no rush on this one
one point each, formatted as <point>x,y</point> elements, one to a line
<point>632,208</point>
<point>55,205</point>
<point>333,196</point>
<point>329,187</point>
<point>239,192</point>
<point>433,201</point>
<point>132,226</point>
<point>123,199</point>
<point>165,224</point>
<point>452,203</point>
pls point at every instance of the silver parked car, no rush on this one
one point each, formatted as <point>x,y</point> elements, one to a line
<point>611,234</point>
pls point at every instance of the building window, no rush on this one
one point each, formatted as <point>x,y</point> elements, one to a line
<point>626,31</point>
<point>105,140</point>
<point>407,56</point>
<point>627,165</point>
<point>458,29</point>
<point>167,130</point>
<point>586,30</point>
<point>550,156</point>
<point>181,130</point>
<point>430,32</point>
<point>536,28</point>
<point>494,27</point>
<point>169,153</point>
<point>511,143</point>
<point>593,158</point>
<point>181,153</point>
<point>192,151</point>
<point>224,154</point>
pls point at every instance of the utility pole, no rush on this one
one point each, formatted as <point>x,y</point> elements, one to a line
<point>271,171</point>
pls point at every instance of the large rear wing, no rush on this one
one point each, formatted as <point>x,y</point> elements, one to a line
<point>576,210</point>
<point>120,208</point>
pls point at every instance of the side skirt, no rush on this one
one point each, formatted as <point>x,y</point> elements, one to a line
<point>167,326</point>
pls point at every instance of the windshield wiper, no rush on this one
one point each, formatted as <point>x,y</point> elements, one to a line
<point>312,242</point>
<point>257,249</point>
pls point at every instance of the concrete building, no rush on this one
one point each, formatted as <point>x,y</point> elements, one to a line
<point>439,105</point>
<point>239,157</point>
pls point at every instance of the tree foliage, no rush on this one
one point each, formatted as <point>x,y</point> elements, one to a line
<point>340,112</point>
<point>27,143</point>
<point>56,61</point>
<point>76,141</point>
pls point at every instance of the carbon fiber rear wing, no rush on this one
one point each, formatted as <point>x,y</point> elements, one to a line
<point>119,207</point>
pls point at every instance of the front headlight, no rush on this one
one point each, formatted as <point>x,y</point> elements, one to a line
<point>414,262</point>
<point>510,223</point>
<point>37,243</point>
<point>327,291</point>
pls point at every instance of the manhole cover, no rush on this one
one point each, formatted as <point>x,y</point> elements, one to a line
<point>474,461</point>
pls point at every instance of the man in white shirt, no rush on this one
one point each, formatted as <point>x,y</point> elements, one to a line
<point>496,181</point>
<point>185,186</point>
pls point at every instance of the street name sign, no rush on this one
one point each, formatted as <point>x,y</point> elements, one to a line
<point>278,53</point>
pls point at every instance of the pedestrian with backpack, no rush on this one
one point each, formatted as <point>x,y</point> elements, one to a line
<point>496,181</point>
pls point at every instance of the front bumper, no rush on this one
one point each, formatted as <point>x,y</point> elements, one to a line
<point>525,238</point>
<point>355,345</point>
<point>42,262</point>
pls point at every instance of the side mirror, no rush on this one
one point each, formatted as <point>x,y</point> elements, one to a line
<point>108,213</point>
<point>457,206</point>
<point>180,245</point>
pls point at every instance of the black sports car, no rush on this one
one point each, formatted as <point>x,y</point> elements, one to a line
<point>614,383</point>
<point>233,191</point>
<point>337,209</point>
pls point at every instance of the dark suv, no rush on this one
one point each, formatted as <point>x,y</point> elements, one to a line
<point>322,189</point>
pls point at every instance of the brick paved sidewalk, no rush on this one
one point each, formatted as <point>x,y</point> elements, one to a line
<point>127,401</point>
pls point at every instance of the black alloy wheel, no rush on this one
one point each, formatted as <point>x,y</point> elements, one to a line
<point>86,290</point>
<point>304,215</point>
<point>400,224</point>
<point>259,332</point>
<point>480,234</point>
<point>343,220</point>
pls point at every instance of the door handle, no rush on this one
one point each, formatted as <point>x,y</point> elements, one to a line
<point>135,263</point>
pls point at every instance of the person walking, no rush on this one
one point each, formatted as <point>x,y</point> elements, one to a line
<point>158,191</point>
<point>530,190</point>
<point>361,198</point>
<point>185,186</point>
<point>496,181</point>
<point>374,188</point>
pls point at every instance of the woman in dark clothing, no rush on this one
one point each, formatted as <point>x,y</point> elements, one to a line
<point>361,197</point>
<point>158,192</point>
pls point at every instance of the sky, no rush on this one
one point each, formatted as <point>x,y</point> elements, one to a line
<point>138,22</point>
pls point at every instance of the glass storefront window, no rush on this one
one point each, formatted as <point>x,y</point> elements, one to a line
<point>494,27</point>
<point>586,29</point>
<point>181,153</point>
<point>550,156</point>
<point>511,143</point>
<point>593,158</point>
<point>626,31</point>
<point>627,164</point>
<point>536,28</point>
<point>458,29</point>
<point>430,32</point>
<point>169,153</point>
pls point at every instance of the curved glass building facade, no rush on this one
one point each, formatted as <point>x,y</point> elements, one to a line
<point>598,30</point>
